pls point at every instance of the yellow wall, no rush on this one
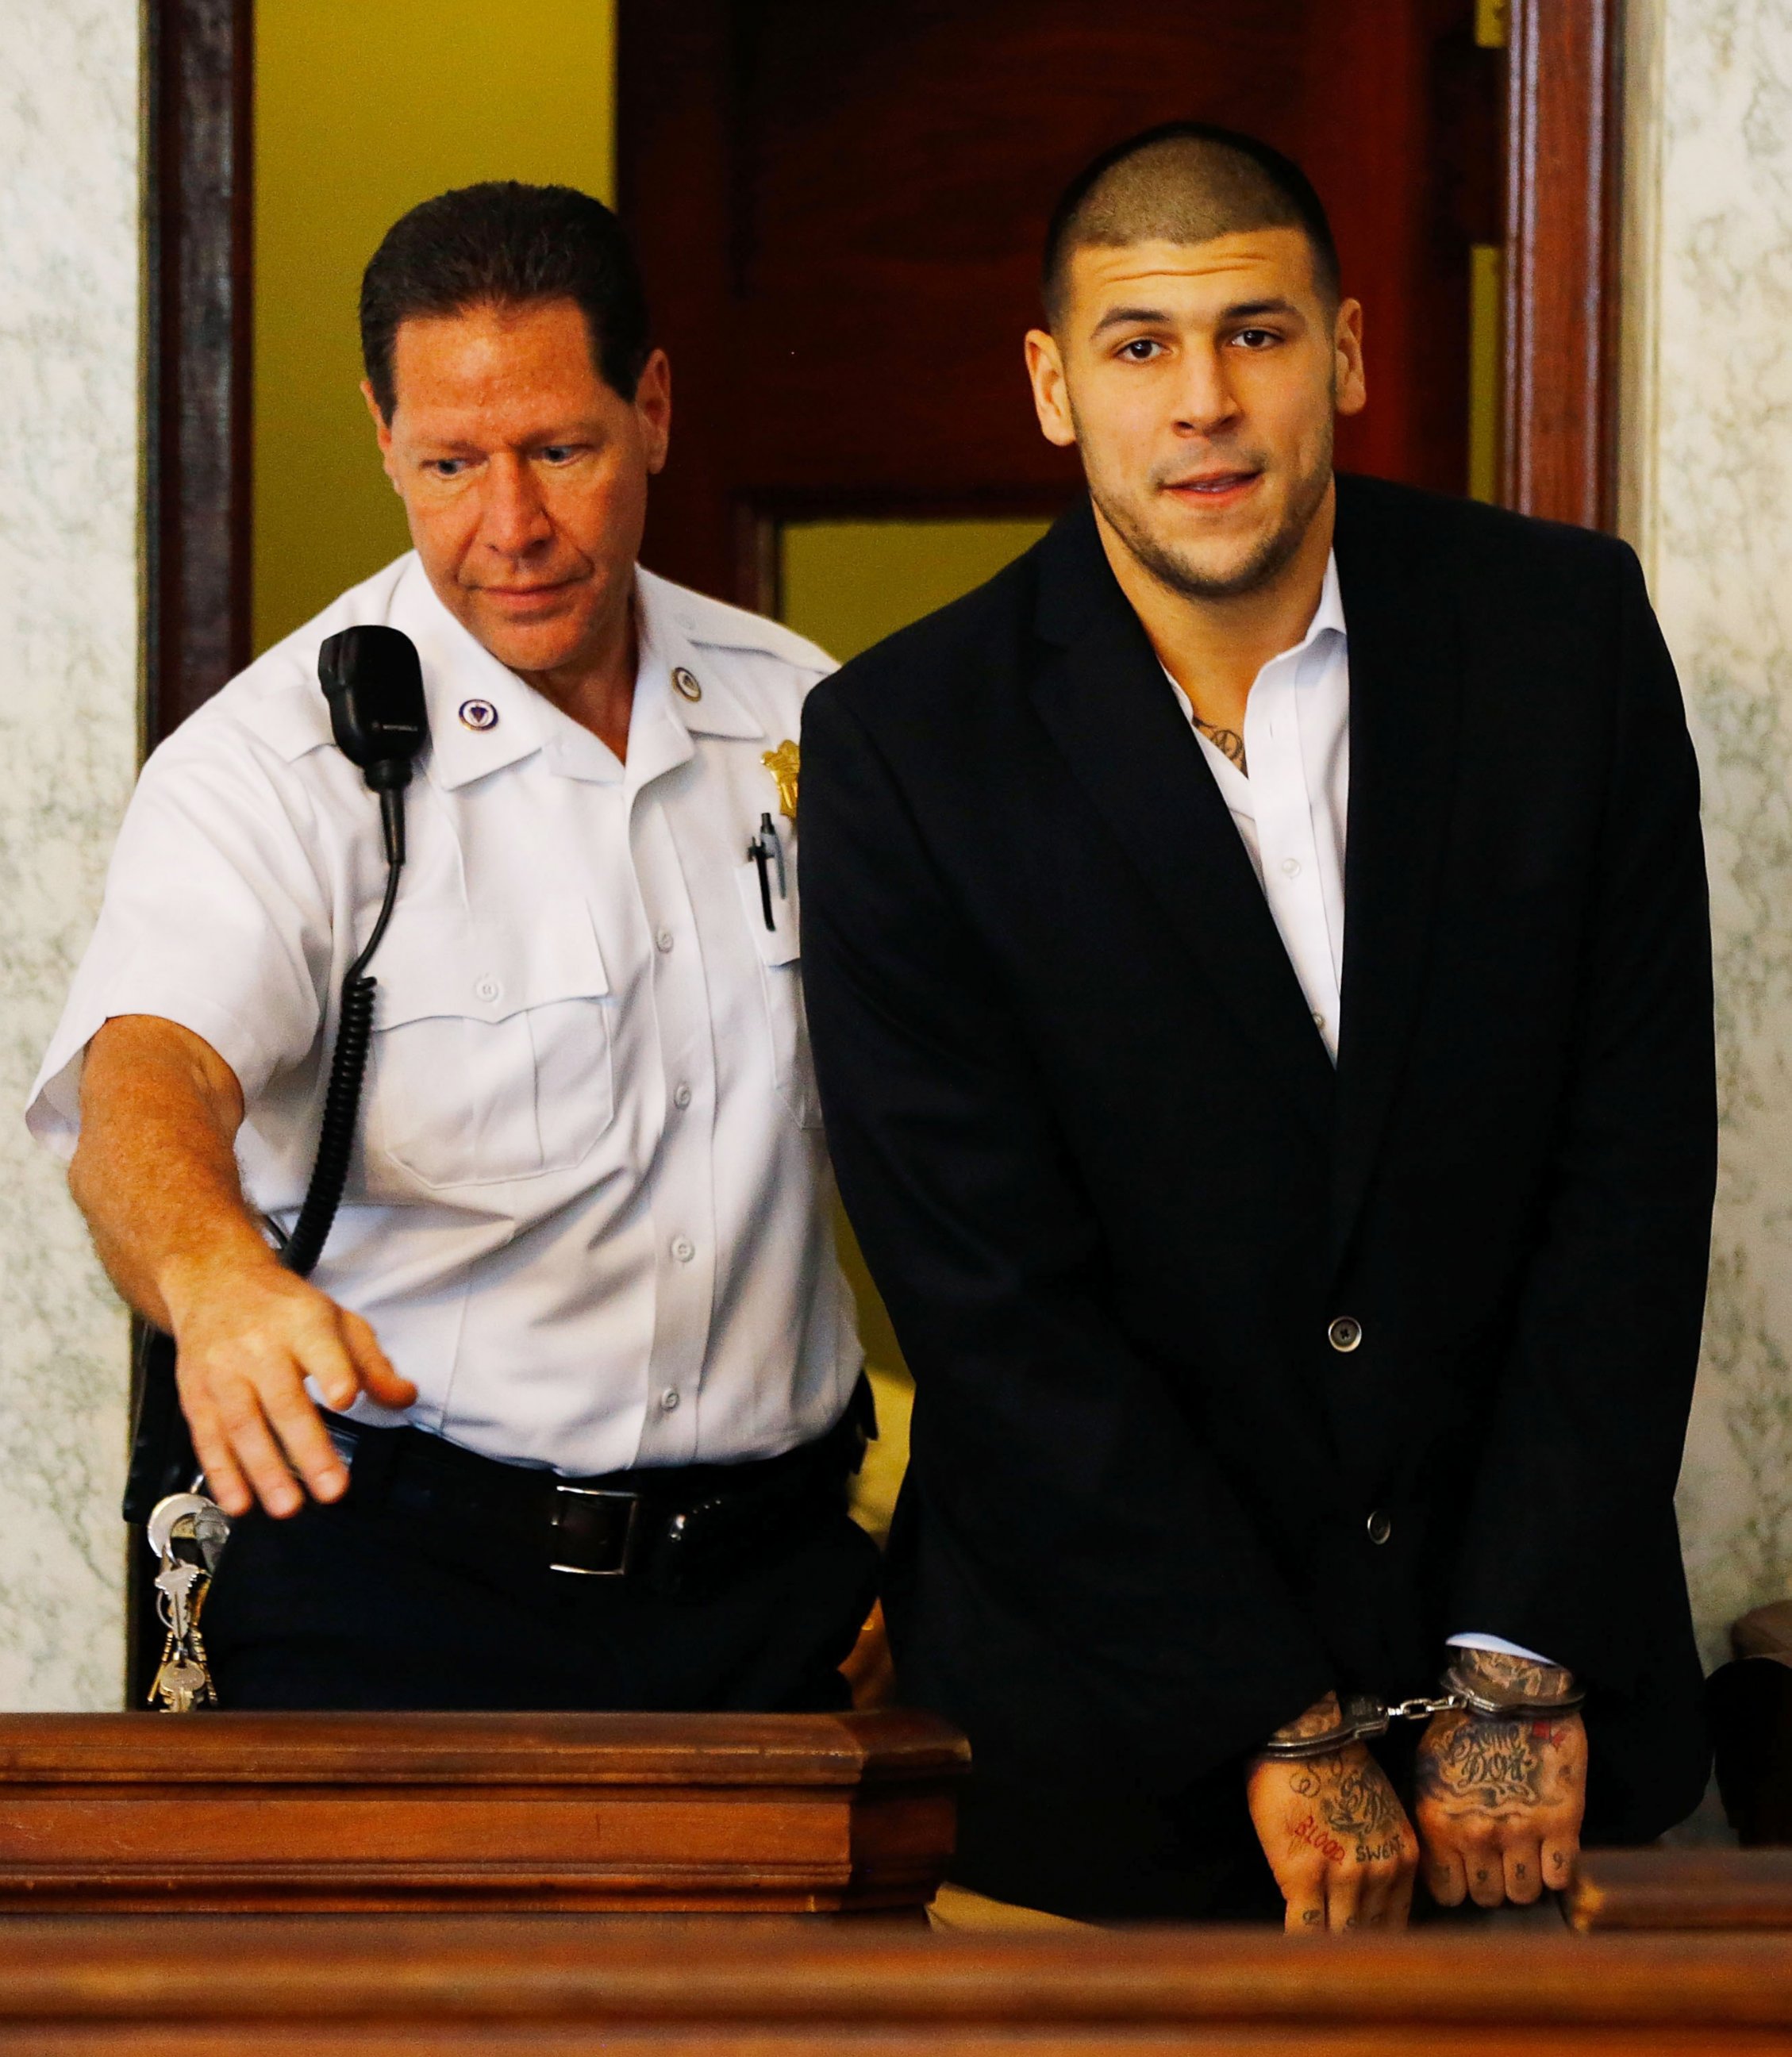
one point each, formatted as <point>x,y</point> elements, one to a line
<point>362,109</point>
<point>849,584</point>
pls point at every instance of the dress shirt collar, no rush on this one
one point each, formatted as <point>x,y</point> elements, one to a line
<point>1328,616</point>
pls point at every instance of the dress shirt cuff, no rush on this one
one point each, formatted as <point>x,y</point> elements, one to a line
<point>1498,1643</point>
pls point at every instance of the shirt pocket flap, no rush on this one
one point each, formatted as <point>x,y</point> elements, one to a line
<point>454,963</point>
<point>778,945</point>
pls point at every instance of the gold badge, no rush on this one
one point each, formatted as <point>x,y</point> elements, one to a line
<point>784,763</point>
<point>687,683</point>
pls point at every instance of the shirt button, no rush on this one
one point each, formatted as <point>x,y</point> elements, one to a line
<point>1318,1019</point>
<point>663,940</point>
<point>684,1249</point>
<point>1380,1528</point>
<point>488,988</point>
<point>681,1097</point>
<point>1345,1334</point>
<point>1291,866</point>
<point>668,1399</point>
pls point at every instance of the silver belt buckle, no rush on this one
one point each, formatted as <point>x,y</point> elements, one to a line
<point>625,1557</point>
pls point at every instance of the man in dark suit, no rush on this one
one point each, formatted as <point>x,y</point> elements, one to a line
<point>1256,952</point>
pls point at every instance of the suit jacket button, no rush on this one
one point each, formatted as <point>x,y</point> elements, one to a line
<point>1345,1334</point>
<point>1380,1528</point>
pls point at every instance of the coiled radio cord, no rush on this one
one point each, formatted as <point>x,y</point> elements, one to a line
<point>341,1099</point>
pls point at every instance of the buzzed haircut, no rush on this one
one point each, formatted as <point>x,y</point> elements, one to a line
<point>503,243</point>
<point>1184,182</point>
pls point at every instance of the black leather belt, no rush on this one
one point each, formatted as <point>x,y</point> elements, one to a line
<point>675,1528</point>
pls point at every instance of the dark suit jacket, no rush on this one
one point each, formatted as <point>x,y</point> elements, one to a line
<point>1114,1195</point>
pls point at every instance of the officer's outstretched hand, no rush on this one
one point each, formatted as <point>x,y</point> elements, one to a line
<point>1500,1804</point>
<point>248,1335</point>
<point>154,1172</point>
<point>1335,1834</point>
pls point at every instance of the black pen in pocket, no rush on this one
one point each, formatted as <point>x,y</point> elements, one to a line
<point>765,850</point>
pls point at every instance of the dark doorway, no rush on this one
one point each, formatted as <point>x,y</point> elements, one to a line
<point>839,210</point>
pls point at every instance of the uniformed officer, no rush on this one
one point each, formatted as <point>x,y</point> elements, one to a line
<point>588,1361</point>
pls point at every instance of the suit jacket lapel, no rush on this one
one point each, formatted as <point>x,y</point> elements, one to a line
<point>1103,696</point>
<point>1406,676</point>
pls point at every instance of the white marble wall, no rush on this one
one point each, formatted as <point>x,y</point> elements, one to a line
<point>1708,422</point>
<point>69,412</point>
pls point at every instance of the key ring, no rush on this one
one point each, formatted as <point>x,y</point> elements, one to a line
<point>187,1534</point>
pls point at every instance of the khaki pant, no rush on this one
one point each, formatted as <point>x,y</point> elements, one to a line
<point>958,1910</point>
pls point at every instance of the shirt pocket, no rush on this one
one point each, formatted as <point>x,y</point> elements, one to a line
<point>779,950</point>
<point>491,1046</point>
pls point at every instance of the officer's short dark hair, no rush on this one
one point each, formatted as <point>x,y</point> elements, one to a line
<point>505,244</point>
<point>1184,182</point>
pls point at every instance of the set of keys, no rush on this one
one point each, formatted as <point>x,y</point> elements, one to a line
<point>187,1533</point>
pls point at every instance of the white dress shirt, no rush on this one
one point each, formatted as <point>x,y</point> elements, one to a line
<point>589,1214</point>
<point>1291,813</point>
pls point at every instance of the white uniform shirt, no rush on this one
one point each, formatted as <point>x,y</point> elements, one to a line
<point>1291,813</point>
<point>589,1214</point>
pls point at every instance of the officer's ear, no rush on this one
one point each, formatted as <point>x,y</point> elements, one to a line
<point>383,433</point>
<point>653,405</point>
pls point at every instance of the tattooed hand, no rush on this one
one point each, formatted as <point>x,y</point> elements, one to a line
<point>1498,1804</point>
<point>1337,1839</point>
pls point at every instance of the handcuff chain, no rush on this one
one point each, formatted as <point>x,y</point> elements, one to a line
<point>1421,1709</point>
<point>1364,1717</point>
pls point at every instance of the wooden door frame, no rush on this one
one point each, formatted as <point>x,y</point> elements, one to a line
<point>199,71</point>
<point>200,304</point>
<point>1564,135</point>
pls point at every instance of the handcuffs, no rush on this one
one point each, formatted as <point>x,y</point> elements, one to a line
<point>1363,1716</point>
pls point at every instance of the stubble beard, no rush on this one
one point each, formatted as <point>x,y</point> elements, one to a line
<point>1269,557</point>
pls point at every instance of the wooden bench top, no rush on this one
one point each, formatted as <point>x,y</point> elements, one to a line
<point>890,1744</point>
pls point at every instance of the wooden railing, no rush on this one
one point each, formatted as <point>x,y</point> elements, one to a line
<point>1685,1890</point>
<point>449,1987</point>
<point>486,1857</point>
<point>779,1814</point>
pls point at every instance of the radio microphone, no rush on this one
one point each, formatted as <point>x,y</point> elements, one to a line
<point>374,685</point>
